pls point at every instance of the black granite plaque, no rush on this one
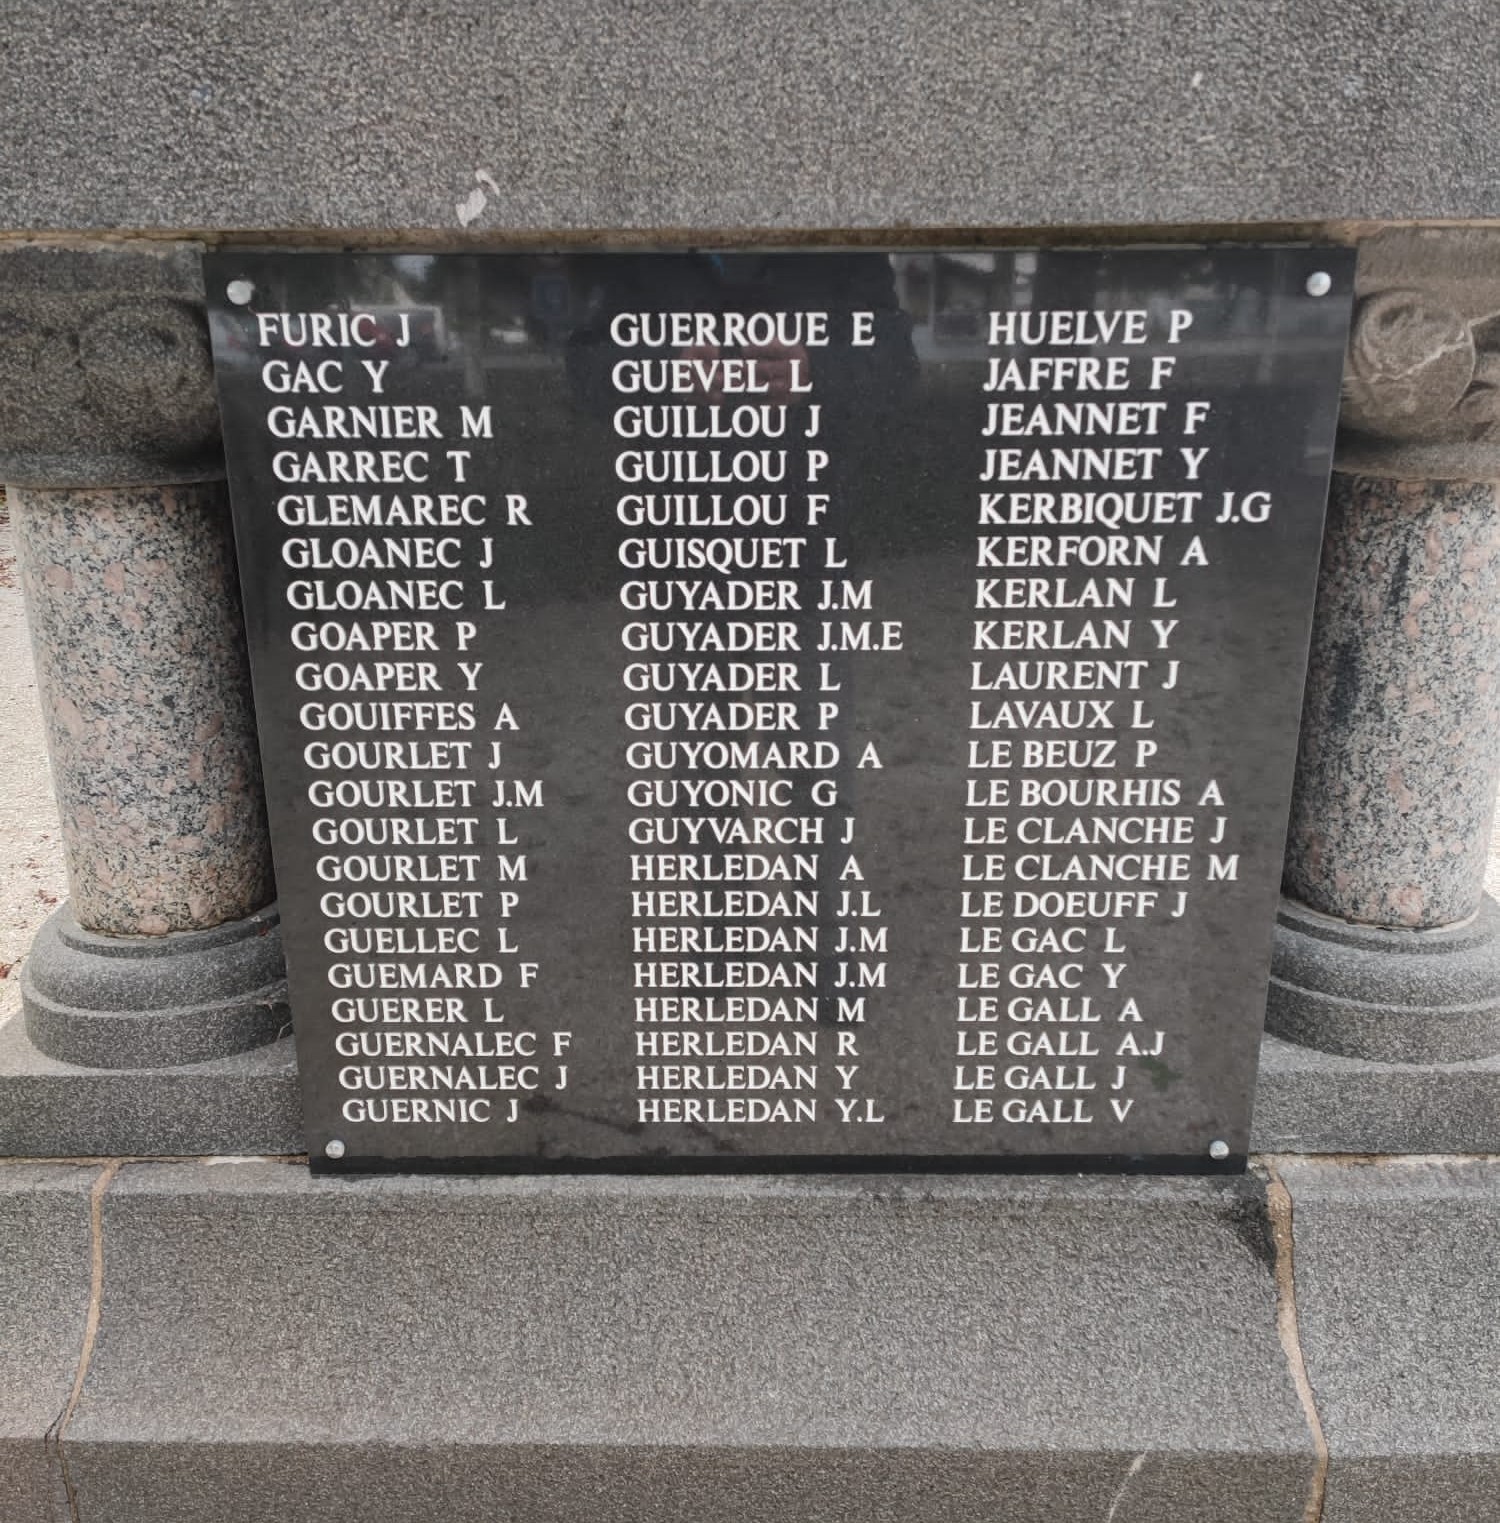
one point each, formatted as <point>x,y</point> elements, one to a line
<point>822,708</point>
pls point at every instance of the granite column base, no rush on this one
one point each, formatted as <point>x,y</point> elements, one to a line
<point>1393,996</point>
<point>154,1001</point>
<point>1386,948</point>
<point>169,949</point>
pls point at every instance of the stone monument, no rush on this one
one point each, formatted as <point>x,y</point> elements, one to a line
<point>198,1327</point>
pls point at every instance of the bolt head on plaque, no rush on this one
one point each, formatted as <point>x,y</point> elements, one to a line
<point>334,1148</point>
<point>240,292</point>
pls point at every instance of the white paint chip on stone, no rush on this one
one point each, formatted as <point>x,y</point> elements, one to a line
<point>474,203</point>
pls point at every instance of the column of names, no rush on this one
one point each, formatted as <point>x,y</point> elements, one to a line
<point>393,582</point>
<point>1080,827</point>
<point>749,908</point>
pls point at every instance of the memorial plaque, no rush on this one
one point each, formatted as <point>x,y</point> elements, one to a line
<point>824,709</point>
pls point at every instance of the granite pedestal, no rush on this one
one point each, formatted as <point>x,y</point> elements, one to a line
<point>168,951</point>
<point>233,1340</point>
<point>1387,948</point>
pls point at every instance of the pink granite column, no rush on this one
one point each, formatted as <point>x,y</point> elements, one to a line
<point>1398,759</point>
<point>168,951</point>
<point>134,612</point>
<point>1388,948</point>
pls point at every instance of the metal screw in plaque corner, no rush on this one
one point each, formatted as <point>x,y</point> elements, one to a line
<point>240,292</point>
<point>1218,1149</point>
<point>1319,283</point>
<point>335,1149</point>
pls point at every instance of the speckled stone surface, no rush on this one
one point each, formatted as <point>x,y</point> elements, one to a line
<point>877,1350</point>
<point>1420,399</point>
<point>44,1300</point>
<point>1321,1102</point>
<point>1390,996</point>
<point>386,115</point>
<point>155,1001</point>
<point>105,372</point>
<point>245,1102</point>
<point>1401,725</point>
<point>134,613</point>
<point>1396,1281</point>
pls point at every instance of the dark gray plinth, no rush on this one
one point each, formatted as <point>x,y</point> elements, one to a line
<point>154,1001</point>
<point>272,1345</point>
<point>1396,1293</point>
<point>1389,995</point>
<point>1318,1102</point>
<point>244,1103</point>
<point>44,1299</point>
<point>662,115</point>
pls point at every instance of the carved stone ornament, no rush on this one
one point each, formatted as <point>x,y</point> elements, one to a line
<point>1422,381</point>
<point>106,377</point>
